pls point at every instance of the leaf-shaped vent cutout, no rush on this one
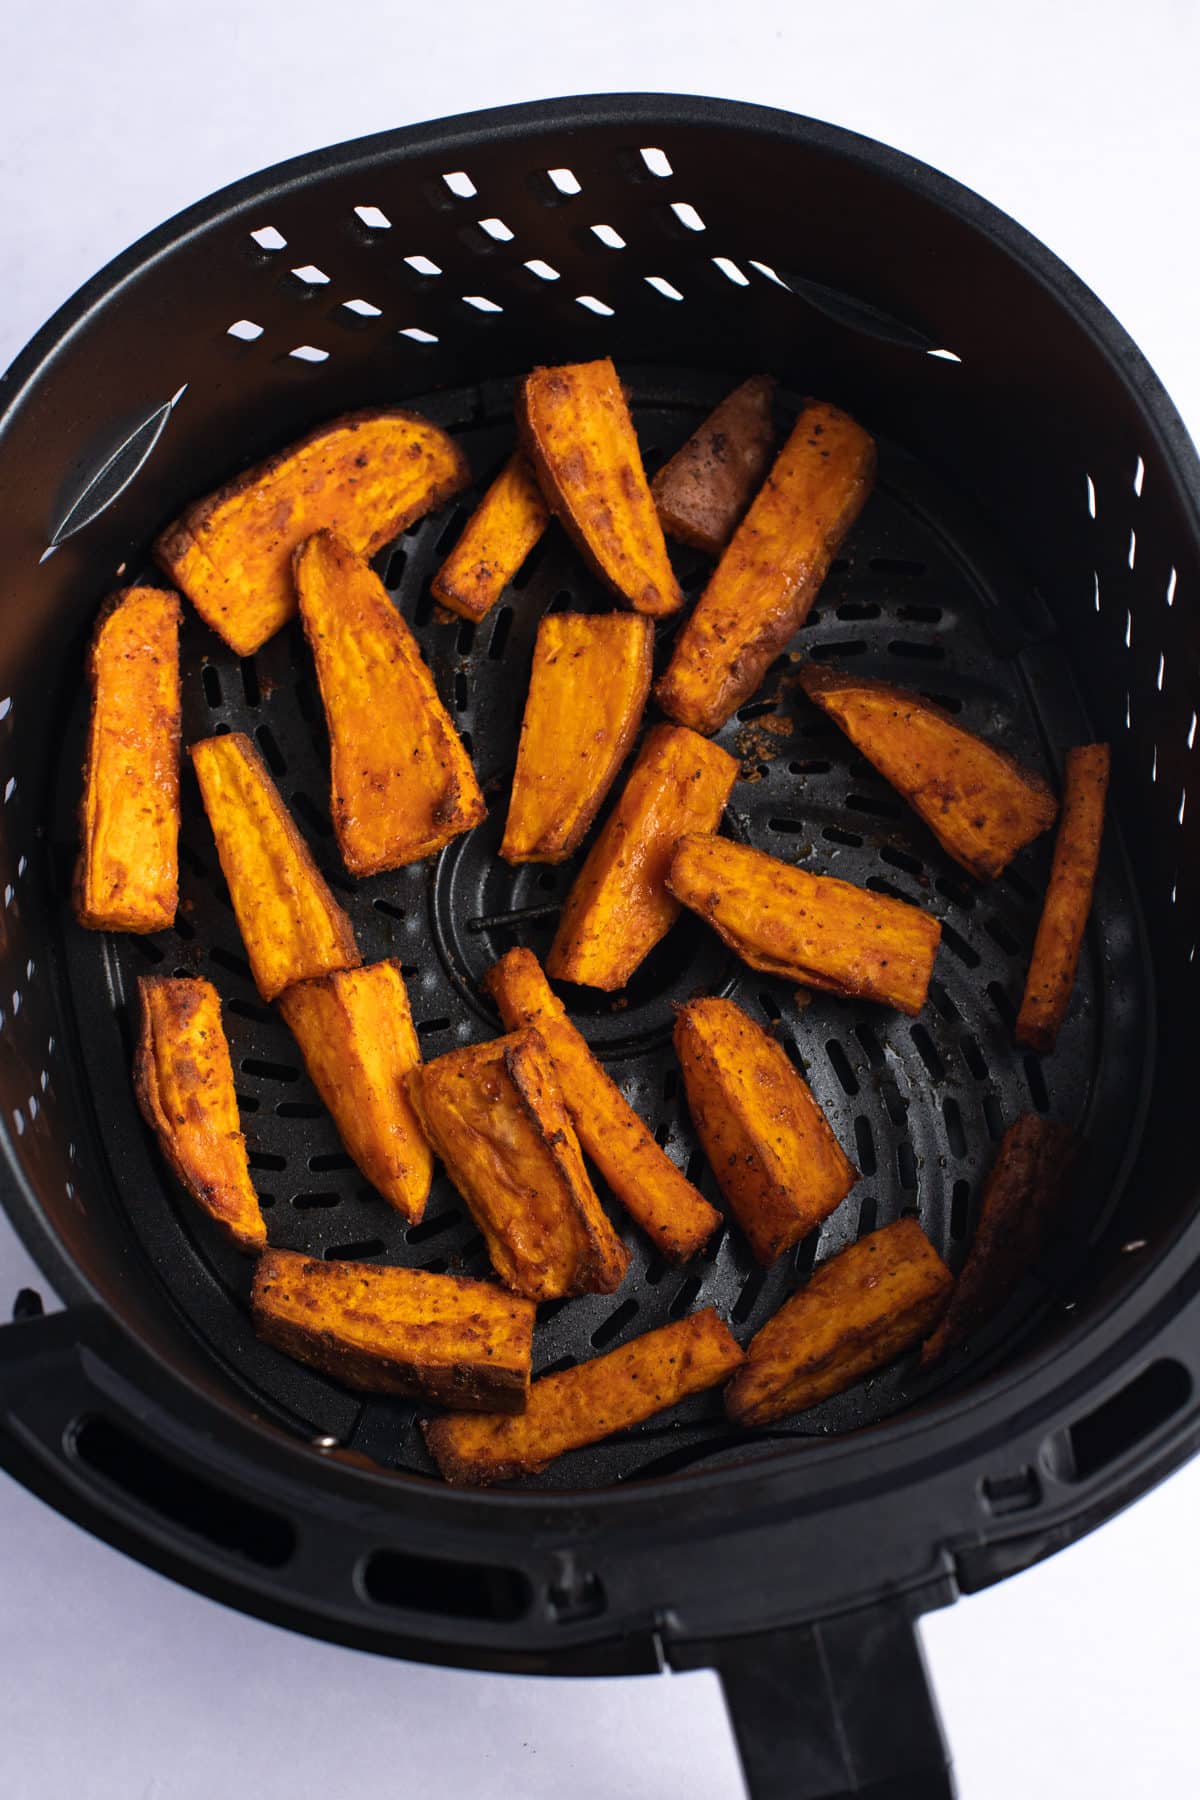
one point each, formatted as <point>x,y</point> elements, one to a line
<point>855,314</point>
<point>114,472</point>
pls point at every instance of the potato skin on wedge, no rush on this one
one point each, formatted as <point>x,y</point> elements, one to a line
<point>459,1343</point>
<point>1068,899</point>
<point>496,539</point>
<point>705,488</point>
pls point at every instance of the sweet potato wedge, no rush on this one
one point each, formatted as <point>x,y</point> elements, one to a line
<point>769,1145</point>
<point>183,1079</point>
<point>813,929</point>
<point>980,804</point>
<point>496,539</point>
<point>127,875</point>
<point>1025,1189</point>
<point>762,588</point>
<point>860,1310</point>
<point>367,475</point>
<point>590,678</point>
<point>291,925</point>
<point>495,1116</point>
<point>704,490</point>
<point>591,1401</point>
<point>577,433</point>
<point>401,783</point>
<point>356,1034</point>
<point>1068,899</point>
<point>459,1343</point>
<point>619,906</point>
<point>658,1195</point>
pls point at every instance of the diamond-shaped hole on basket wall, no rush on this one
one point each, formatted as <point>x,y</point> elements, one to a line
<point>662,286</point>
<point>363,308</point>
<point>543,270</point>
<point>418,334</point>
<point>310,275</point>
<point>309,353</point>
<point>423,265</point>
<point>612,240</point>
<point>687,215</point>
<point>657,162</point>
<point>565,180</point>
<point>245,329</point>
<point>460,184</point>
<point>267,238</point>
<point>482,304</point>
<point>373,218</point>
<point>497,230</point>
<point>731,271</point>
<point>593,305</point>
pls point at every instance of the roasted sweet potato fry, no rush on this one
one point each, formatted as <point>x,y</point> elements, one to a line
<point>1068,899</point>
<point>812,929</point>
<point>127,875</point>
<point>459,1343</point>
<point>496,539</point>
<point>980,804</point>
<point>768,1143</point>
<point>619,907</point>
<point>356,1034</point>
<point>579,437</point>
<point>702,493</point>
<point>495,1116</point>
<point>401,783</point>
<point>591,674</point>
<point>592,1401</point>
<point>291,925</point>
<point>183,1080</point>
<point>367,475</point>
<point>862,1309</point>
<point>762,588</point>
<point>1026,1188</point>
<point>642,1176</point>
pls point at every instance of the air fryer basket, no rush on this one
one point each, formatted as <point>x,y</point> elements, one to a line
<point>1031,558</point>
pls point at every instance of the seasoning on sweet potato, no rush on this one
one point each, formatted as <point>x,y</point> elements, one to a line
<point>860,1310</point>
<point>1024,1191</point>
<point>980,804</point>
<point>127,875</point>
<point>1068,898</point>
<point>496,539</point>
<point>590,678</point>
<point>291,925</point>
<point>356,1034</point>
<point>367,475</point>
<point>619,906</point>
<point>769,1145</point>
<point>762,588</point>
<point>703,491</point>
<point>494,1114</point>
<point>641,1174</point>
<point>459,1343</point>
<point>812,929</point>
<point>591,1401</point>
<point>577,433</point>
<point>183,1079</point>
<point>401,783</point>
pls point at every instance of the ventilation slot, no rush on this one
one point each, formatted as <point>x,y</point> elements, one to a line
<point>453,1590</point>
<point>1123,1422</point>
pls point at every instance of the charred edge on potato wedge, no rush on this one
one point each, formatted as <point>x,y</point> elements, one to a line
<point>587,689</point>
<point>459,1343</point>
<point>496,539</point>
<point>127,873</point>
<point>401,782</point>
<point>652,1190</point>
<point>582,1405</point>
<point>1068,899</point>
<point>705,488</point>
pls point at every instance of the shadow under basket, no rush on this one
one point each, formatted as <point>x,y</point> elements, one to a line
<point>1030,559</point>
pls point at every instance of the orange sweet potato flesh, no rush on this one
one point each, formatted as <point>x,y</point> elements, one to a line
<point>861,1310</point>
<point>582,1405</point>
<point>459,1343</point>
<point>496,539</point>
<point>765,583</point>
<point>367,475</point>
<point>494,1114</point>
<point>619,906</point>
<point>768,1143</point>
<point>704,490</point>
<point>658,1195</point>
<point>401,783</point>
<point>590,678</point>
<point>127,875</point>
<point>183,1079</point>
<point>1025,1190</point>
<point>812,929</point>
<point>291,925</point>
<point>577,433</point>
<point>1068,899</point>
<point>356,1034</point>
<point>980,804</point>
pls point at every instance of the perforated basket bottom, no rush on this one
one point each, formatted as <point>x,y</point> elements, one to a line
<point>921,596</point>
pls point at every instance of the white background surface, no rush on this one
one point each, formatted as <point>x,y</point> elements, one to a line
<point>1078,1679</point>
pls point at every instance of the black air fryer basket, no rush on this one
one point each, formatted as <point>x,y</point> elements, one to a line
<point>1031,559</point>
